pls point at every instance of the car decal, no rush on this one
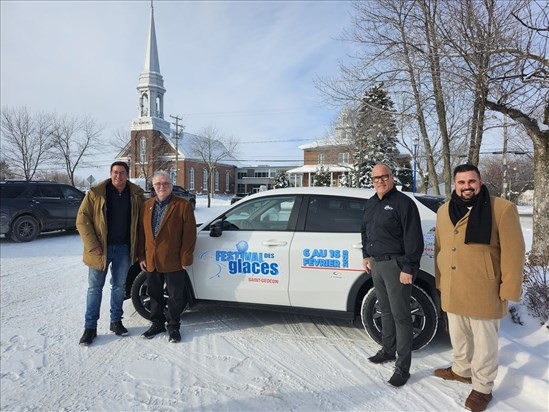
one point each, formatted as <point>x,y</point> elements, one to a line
<point>241,261</point>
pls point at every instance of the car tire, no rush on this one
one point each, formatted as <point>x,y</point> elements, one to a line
<point>24,229</point>
<point>424,317</point>
<point>140,296</point>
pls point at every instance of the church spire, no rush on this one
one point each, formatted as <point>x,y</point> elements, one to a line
<point>151,84</point>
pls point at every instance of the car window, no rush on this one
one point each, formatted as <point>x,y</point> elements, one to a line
<point>266,214</point>
<point>71,193</point>
<point>11,191</point>
<point>334,214</point>
<point>47,191</point>
<point>432,202</point>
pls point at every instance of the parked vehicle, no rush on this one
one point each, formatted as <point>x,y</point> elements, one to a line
<point>28,208</point>
<point>181,192</point>
<point>299,249</point>
<point>238,196</point>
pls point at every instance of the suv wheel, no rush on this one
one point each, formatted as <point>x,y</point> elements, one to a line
<point>424,317</point>
<point>140,296</point>
<point>24,229</point>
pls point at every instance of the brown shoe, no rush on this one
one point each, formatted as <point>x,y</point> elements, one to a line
<point>449,375</point>
<point>478,401</point>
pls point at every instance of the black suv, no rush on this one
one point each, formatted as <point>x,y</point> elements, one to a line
<point>28,208</point>
<point>180,192</point>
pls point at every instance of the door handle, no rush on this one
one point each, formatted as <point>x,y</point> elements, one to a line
<point>275,243</point>
<point>357,246</point>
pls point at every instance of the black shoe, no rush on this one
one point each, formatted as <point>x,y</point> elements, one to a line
<point>399,378</point>
<point>175,336</point>
<point>154,330</point>
<point>118,328</point>
<point>88,337</point>
<point>381,357</point>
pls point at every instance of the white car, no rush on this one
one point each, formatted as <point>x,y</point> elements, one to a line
<point>300,249</point>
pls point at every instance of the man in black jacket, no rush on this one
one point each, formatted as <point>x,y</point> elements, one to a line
<point>392,245</point>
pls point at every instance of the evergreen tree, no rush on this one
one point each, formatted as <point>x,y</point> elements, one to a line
<point>376,135</point>
<point>281,180</point>
<point>322,177</point>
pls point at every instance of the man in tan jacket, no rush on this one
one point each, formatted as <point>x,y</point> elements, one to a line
<point>166,245</point>
<point>107,222</point>
<point>479,251</point>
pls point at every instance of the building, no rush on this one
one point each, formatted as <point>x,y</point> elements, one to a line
<point>256,178</point>
<point>155,145</point>
<point>333,155</point>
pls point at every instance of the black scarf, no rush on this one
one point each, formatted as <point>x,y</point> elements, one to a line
<point>479,225</point>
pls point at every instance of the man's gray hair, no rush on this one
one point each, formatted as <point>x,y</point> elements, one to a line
<point>161,173</point>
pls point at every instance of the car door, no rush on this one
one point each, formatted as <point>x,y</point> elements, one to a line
<point>326,255</point>
<point>73,198</point>
<point>249,261</point>
<point>48,202</point>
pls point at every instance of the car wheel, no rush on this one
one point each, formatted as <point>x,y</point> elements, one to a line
<point>424,317</point>
<point>140,296</point>
<point>25,229</point>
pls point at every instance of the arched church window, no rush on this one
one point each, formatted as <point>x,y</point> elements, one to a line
<point>158,107</point>
<point>143,150</point>
<point>205,179</point>
<point>227,181</point>
<point>144,104</point>
<point>216,181</point>
<point>191,178</point>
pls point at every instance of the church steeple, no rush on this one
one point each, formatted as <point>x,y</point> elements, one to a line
<point>151,84</point>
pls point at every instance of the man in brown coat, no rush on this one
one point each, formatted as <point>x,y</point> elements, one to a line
<point>166,245</point>
<point>479,251</point>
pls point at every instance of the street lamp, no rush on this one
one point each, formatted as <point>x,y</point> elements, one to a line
<point>416,143</point>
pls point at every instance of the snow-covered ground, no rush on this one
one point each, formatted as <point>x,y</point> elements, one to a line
<point>229,359</point>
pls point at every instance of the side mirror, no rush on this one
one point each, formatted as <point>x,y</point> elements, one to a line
<point>216,228</point>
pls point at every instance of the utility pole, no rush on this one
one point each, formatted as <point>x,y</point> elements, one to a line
<point>177,126</point>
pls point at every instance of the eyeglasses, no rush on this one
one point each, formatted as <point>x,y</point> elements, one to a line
<point>382,178</point>
<point>163,184</point>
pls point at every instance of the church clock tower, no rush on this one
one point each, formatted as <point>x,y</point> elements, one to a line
<point>149,128</point>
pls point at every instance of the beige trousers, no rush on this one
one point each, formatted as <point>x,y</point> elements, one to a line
<point>475,346</point>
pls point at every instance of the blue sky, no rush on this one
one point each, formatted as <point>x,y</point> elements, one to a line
<point>246,68</point>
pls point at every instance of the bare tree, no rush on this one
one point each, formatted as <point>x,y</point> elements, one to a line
<point>5,170</point>
<point>72,139</point>
<point>26,140</point>
<point>520,90</point>
<point>212,149</point>
<point>390,34</point>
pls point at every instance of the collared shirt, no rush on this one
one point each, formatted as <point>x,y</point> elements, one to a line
<point>392,226</point>
<point>159,211</point>
<point>118,215</point>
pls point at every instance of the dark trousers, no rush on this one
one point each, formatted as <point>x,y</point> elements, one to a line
<point>175,286</point>
<point>396,317</point>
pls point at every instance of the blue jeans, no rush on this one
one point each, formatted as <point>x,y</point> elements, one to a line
<point>118,258</point>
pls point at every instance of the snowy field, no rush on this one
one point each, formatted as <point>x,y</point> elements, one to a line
<point>228,360</point>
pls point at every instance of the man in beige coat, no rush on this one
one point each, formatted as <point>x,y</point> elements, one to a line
<point>107,223</point>
<point>166,245</point>
<point>479,251</point>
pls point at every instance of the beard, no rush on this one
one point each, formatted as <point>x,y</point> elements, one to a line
<point>468,195</point>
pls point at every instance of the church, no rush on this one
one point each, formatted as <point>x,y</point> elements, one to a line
<point>155,145</point>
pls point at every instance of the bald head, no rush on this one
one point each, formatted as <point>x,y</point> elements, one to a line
<point>383,179</point>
